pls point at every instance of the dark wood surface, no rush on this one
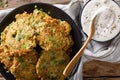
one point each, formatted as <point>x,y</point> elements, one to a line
<point>93,70</point>
<point>101,69</point>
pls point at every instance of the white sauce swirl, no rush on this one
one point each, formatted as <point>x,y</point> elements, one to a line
<point>107,23</point>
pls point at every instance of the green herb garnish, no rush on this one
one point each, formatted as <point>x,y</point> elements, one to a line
<point>52,74</point>
<point>20,59</point>
<point>51,38</point>
<point>19,38</point>
<point>22,65</point>
<point>35,6</point>
<point>27,36</point>
<point>41,9</point>
<point>23,46</point>
<point>9,58</point>
<point>57,62</point>
<point>61,61</point>
<point>49,13</point>
<point>43,65</point>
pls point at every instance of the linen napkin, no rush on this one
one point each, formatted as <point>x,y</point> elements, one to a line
<point>103,51</point>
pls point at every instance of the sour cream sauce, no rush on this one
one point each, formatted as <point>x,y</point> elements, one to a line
<point>107,22</point>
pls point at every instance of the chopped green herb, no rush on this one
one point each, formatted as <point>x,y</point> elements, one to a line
<point>9,58</point>
<point>43,65</point>
<point>52,62</point>
<point>35,6</point>
<point>57,62</point>
<point>23,46</point>
<point>19,38</point>
<point>20,59</point>
<point>61,61</point>
<point>56,45</point>
<point>51,38</point>
<point>27,36</point>
<point>49,12</point>
<point>41,9</point>
<point>22,65</point>
<point>52,74</point>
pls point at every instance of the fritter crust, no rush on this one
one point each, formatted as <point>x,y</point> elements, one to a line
<point>22,67</point>
<point>51,65</point>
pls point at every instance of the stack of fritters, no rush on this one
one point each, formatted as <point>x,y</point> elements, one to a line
<point>19,49</point>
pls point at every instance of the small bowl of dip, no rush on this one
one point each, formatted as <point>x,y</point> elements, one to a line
<point>107,22</point>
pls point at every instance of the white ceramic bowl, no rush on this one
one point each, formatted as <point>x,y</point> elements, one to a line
<point>107,23</point>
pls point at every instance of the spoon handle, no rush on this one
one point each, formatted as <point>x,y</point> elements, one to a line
<point>75,59</point>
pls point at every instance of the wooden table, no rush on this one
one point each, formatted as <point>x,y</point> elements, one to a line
<point>93,70</point>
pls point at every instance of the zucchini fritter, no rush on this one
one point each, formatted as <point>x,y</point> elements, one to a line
<point>51,65</point>
<point>22,67</point>
<point>55,35</point>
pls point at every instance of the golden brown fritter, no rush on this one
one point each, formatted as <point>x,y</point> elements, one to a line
<point>51,65</point>
<point>19,34</point>
<point>22,67</point>
<point>55,35</point>
<point>6,59</point>
<point>20,63</point>
<point>28,29</point>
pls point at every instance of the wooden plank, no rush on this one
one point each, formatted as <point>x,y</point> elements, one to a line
<point>99,68</point>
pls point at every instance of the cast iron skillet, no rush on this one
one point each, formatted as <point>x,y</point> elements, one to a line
<point>54,12</point>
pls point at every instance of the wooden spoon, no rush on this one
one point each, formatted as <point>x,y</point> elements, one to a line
<point>75,59</point>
